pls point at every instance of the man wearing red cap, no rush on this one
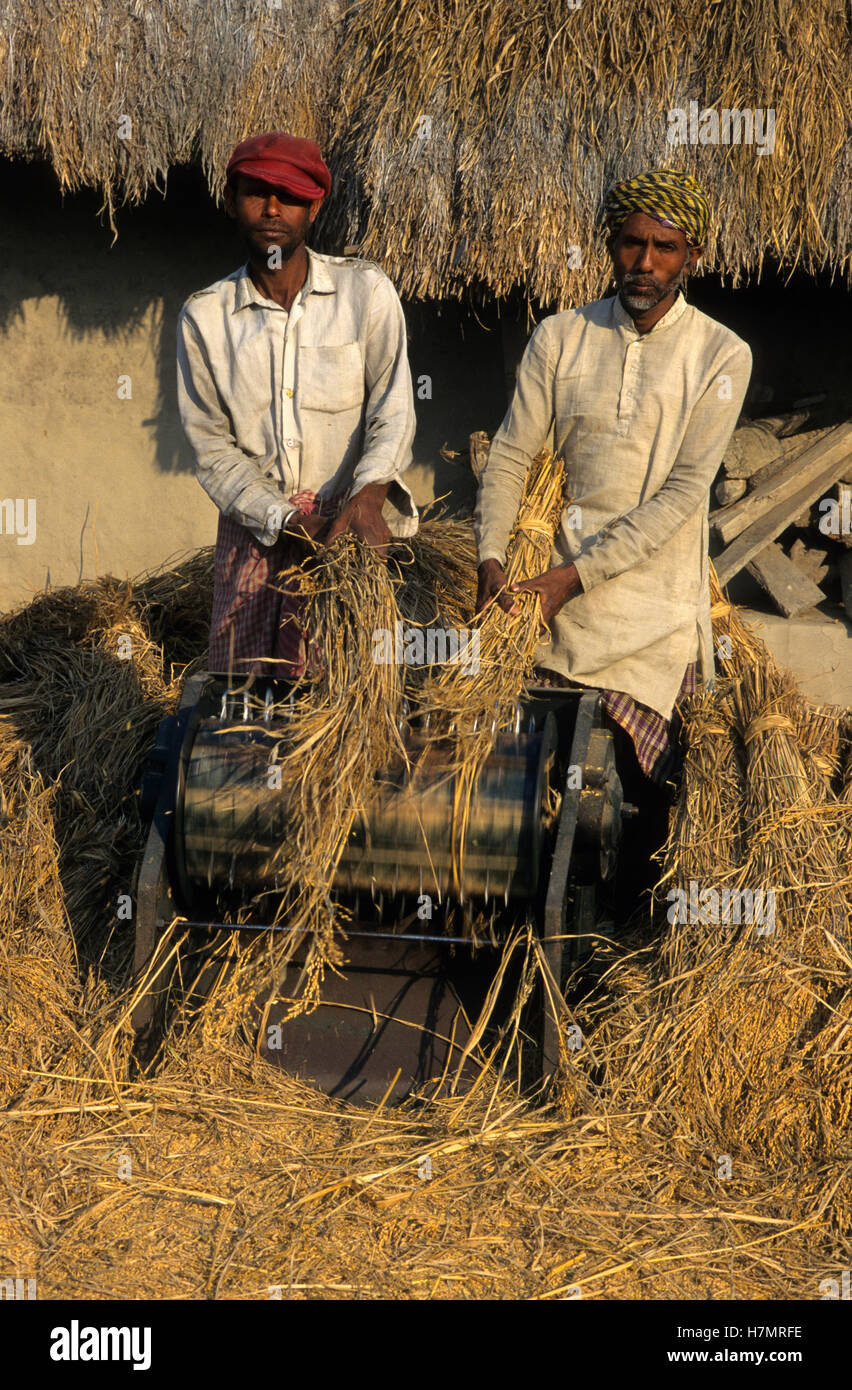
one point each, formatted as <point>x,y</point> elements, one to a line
<point>295,394</point>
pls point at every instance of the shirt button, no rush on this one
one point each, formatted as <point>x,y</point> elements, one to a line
<point>287,391</point>
<point>291,443</point>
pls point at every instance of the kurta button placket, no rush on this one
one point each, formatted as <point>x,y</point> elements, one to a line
<point>626,398</point>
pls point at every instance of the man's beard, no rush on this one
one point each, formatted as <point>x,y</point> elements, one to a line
<point>650,297</point>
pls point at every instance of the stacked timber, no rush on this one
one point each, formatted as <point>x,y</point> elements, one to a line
<point>784,513</point>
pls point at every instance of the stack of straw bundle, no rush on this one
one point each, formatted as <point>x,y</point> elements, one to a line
<point>734,1033</point>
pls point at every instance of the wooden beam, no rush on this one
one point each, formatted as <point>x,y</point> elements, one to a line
<point>729,490</point>
<point>791,591</point>
<point>809,560</point>
<point>757,442</point>
<point>750,542</point>
<point>832,450</point>
<point>771,470</point>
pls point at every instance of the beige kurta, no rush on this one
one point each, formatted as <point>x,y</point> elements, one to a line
<point>642,422</point>
<point>318,399</point>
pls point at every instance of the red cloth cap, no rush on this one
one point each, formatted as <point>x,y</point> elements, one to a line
<point>285,161</point>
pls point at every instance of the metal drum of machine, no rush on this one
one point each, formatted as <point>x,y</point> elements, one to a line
<point>412,837</point>
<point>235,818</point>
<point>541,831</point>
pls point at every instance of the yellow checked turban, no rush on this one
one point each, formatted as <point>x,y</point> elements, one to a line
<point>662,193</point>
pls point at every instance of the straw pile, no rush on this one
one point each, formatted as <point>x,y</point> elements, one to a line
<point>37,955</point>
<point>471,142</point>
<point>739,1032</point>
<point>221,1177</point>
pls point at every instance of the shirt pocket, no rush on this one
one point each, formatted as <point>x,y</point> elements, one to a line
<point>331,379</point>
<point>575,393</point>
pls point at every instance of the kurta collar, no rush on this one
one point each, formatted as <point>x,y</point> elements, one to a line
<point>318,280</point>
<point>675,313</point>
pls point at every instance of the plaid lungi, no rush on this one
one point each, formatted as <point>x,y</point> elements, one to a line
<point>254,629</point>
<point>654,738</point>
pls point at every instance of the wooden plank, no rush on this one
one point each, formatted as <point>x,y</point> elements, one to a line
<point>791,591</point>
<point>729,490</point>
<point>809,560</point>
<point>771,470</point>
<point>766,528</point>
<point>758,442</point>
<point>833,449</point>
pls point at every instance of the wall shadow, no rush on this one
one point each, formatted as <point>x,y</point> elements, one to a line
<point>177,241</point>
<point>61,246</point>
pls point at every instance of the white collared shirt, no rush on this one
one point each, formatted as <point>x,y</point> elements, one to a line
<point>642,422</point>
<point>318,398</point>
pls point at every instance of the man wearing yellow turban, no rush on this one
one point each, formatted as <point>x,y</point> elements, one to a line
<point>674,200</point>
<point>639,393</point>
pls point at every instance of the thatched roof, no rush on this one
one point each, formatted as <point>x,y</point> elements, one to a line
<point>531,109</point>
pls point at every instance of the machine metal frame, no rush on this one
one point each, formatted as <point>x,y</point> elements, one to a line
<point>584,852</point>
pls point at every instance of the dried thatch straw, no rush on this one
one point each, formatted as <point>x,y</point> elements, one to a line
<point>223,1178</point>
<point>344,729</point>
<point>38,962</point>
<point>82,690</point>
<point>470,143</point>
<point>846,758</point>
<point>86,692</point>
<point>104,90</point>
<point>435,574</point>
<point>485,136</point>
<point>343,733</point>
<point>705,842</point>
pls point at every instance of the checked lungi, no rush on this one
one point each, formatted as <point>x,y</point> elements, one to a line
<point>654,738</point>
<point>255,628</point>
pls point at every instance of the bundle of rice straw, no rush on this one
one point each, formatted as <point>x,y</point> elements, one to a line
<point>736,1036</point>
<point>470,709</point>
<point>245,1179</point>
<point>344,727</point>
<point>434,575</point>
<point>38,962</point>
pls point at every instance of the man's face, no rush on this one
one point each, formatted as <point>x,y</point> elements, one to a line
<point>268,216</point>
<point>649,261</point>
